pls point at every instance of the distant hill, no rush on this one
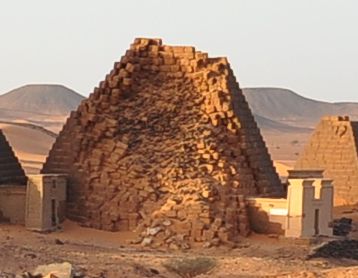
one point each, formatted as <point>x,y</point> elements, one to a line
<point>275,126</point>
<point>287,119</point>
<point>41,99</point>
<point>286,106</point>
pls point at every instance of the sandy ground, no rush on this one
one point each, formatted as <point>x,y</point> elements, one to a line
<point>106,254</point>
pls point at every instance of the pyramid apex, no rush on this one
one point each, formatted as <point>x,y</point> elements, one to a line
<point>336,118</point>
<point>148,41</point>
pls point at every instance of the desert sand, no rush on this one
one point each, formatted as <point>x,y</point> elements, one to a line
<point>108,254</point>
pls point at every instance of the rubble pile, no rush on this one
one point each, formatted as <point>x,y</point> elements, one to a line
<point>342,226</point>
<point>166,146</point>
<point>338,249</point>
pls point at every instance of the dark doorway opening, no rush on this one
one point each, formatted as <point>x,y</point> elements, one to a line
<point>53,213</point>
<point>316,222</point>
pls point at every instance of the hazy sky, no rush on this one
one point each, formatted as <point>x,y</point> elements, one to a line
<point>309,46</point>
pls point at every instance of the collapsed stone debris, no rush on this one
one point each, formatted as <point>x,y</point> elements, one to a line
<point>337,249</point>
<point>342,226</point>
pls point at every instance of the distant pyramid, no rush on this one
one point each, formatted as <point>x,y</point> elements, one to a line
<point>11,172</point>
<point>167,135</point>
<point>334,148</point>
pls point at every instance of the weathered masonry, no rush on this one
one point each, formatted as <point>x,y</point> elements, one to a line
<point>167,137</point>
<point>334,148</point>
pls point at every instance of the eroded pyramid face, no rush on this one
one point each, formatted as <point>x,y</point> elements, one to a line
<point>10,167</point>
<point>168,135</point>
<point>333,148</point>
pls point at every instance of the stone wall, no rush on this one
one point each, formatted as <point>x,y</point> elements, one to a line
<point>45,202</point>
<point>267,215</point>
<point>333,148</point>
<point>12,204</point>
<point>167,141</point>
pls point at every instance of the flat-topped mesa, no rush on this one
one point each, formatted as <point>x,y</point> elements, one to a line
<point>168,135</point>
<point>11,172</point>
<point>333,147</point>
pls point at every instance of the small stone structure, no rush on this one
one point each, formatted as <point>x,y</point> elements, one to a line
<point>334,148</point>
<point>306,212</point>
<point>45,202</point>
<point>168,142</point>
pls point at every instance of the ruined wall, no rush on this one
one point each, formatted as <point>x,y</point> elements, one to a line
<point>333,148</point>
<point>167,136</point>
<point>12,203</point>
<point>11,171</point>
<point>267,215</point>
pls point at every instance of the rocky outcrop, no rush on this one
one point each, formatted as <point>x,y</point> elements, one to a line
<point>166,145</point>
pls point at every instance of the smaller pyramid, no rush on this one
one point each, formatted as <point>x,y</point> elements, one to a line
<point>11,172</point>
<point>333,148</point>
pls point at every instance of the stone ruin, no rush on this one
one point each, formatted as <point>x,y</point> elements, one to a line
<point>333,148</point>
<point>166,146</point>
<point>11,172</point>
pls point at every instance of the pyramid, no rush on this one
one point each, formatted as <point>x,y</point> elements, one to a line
<point>168,135</point>
<point>333,148</point>
<point>11,172</point>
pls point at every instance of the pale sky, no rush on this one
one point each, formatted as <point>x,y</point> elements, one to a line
<point>309,46</point>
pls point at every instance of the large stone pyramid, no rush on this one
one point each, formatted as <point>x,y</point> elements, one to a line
<point>333,148</point>
<point>11,172</point>
<point>168,135</point>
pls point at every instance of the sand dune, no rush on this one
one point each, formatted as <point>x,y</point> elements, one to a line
<point>30,117</point>
<point>31,146</point>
